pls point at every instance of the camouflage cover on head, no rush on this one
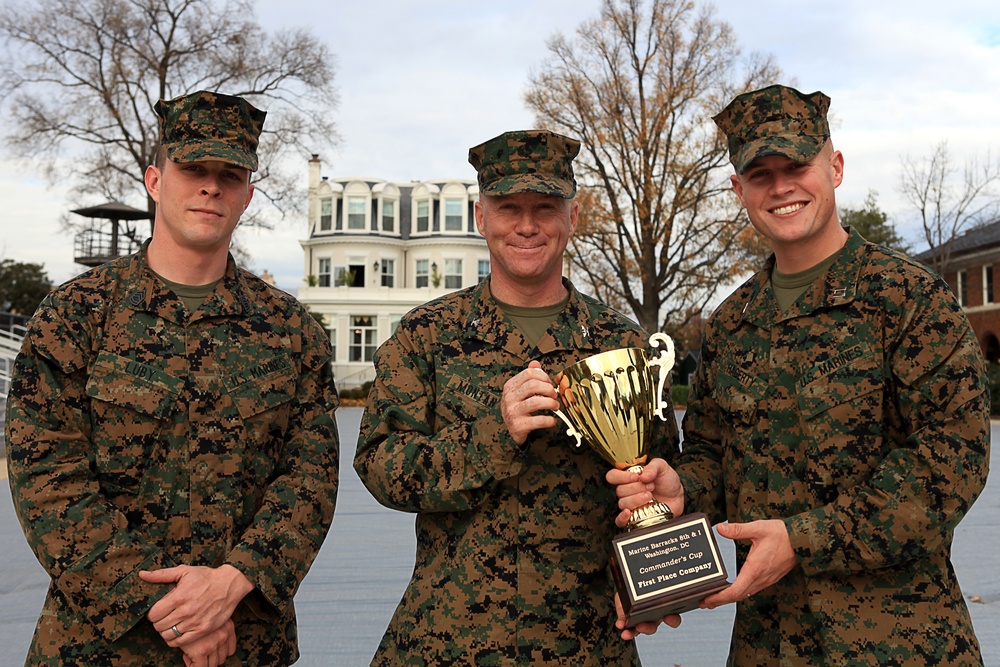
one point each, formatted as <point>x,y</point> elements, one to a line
<point>526,161</point>
<point>776,120</point>
<point>210,126</point>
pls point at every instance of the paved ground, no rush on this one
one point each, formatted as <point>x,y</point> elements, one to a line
<point>348,597</point>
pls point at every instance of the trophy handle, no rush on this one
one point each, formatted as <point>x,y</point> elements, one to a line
<point>570,429</point>
<point>665,360</point>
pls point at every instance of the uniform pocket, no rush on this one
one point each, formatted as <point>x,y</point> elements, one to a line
<point>131,403</point>
<point>262,394</point>
<point>841,406</point>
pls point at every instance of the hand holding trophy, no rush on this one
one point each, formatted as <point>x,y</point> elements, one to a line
<point>662,565</point>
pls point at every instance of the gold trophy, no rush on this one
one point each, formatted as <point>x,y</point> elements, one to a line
<point>661,565</point>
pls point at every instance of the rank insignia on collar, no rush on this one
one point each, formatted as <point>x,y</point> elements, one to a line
<point>839,292</point>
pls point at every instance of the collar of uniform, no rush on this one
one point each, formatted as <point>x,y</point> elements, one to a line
<point>230,296</point>
<point>486,321</point>
<point>144,292</point>
<point>574,329</point>
<point>838,285</point>
<point>753,297</point>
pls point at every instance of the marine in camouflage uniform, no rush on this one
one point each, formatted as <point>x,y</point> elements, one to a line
<point>144,435</point>
<point>513,540</point>
<point>858,416</point>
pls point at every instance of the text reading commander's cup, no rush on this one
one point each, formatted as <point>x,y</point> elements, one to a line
<point>610,400</point>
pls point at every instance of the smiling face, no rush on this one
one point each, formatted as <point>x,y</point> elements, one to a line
<point>527,235</point>
<point>198,204</point>
<point>792,204</point>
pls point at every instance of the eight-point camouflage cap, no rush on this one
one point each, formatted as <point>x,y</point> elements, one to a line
<point>776,120</point>
<point>210,126</point>
<point>526,161</point>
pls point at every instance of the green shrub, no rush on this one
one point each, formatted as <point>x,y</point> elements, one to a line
<point>993,373</point>
<point>357,393</point>
<point>679,394</point>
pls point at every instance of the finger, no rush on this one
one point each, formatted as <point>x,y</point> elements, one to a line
<point>729,595</point>
<point>623,518</point>
<point>164,576</point>
<point>648,628</point>
<point>633,495</point>
<point>621,477</point>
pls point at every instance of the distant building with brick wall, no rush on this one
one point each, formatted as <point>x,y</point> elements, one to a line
<point>973,273</point>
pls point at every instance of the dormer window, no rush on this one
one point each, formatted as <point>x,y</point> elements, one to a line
<point>388,216</point>
<point>326,214</point>
<point>356,213</point>
<point>423,216</point>
<point>453,215</point>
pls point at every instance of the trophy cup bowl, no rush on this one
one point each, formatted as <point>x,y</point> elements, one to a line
<point>610,400</point>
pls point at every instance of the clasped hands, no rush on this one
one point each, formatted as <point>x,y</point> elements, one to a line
<point>196,615</point>
<point>770,558</point>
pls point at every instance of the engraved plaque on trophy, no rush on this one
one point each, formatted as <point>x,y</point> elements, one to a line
<point>662,565</point>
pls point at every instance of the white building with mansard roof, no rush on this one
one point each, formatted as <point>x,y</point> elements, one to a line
<point>376,249</point>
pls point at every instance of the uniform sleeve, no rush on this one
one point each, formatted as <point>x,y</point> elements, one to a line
<point>937,464</point>
<point>80,538</point>
<point>277,549</point>
<point>418,452</point>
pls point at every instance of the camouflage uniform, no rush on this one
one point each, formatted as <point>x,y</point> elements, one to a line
<point>860,417</point>
<point>142,436</point>
<point>513,544</point>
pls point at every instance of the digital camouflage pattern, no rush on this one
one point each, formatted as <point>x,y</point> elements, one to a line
<point>206,126</point>
<point>142,436</point>
<point>526,161</point>
<point>513,545</point>
<point>860,416</point>
<point>776,120</point>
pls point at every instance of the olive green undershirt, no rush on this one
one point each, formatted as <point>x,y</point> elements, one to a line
<point>533,322</point>
<point>192,295</point>
<point>788,287</point>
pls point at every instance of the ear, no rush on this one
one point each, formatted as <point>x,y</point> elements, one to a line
<point>837,165</point>
<point>250,190</point>
<point>738,188</point>
<point>574,216</point>
<point>479,218</point>
<point>152,180</point>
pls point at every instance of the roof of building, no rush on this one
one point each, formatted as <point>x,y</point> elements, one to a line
<point>978,238</point>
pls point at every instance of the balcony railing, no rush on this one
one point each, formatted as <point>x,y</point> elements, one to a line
<point>93,247</point>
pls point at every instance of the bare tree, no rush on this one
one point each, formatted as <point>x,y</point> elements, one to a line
<point>949,199</point>
<point>80,79</point>
<point>638,86</point>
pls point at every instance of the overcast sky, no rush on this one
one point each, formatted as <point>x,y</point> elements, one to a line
<point>421,82</point>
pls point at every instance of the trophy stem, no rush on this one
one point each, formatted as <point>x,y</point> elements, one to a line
<point>651,514</point>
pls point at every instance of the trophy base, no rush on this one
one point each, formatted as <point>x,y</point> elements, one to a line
<point>667,569</point>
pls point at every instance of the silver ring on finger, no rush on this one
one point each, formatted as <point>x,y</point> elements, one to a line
<point>177,632</point>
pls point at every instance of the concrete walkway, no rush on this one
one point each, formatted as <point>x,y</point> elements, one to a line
<point>349,595</point>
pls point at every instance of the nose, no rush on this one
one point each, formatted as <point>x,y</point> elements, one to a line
<point>210,186</point>
<point>526,225</point>
<point>781,182</point>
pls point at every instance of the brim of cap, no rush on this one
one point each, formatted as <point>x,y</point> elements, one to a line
<point>510,185</point>
<point>797,147</point>
<point>205,151</point>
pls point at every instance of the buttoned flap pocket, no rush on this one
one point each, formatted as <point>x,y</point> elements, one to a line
<point>840,380</point>
<point>261,387</point>
<point>737,399</point>
<point>133,385</point>
<point>465,400</point>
